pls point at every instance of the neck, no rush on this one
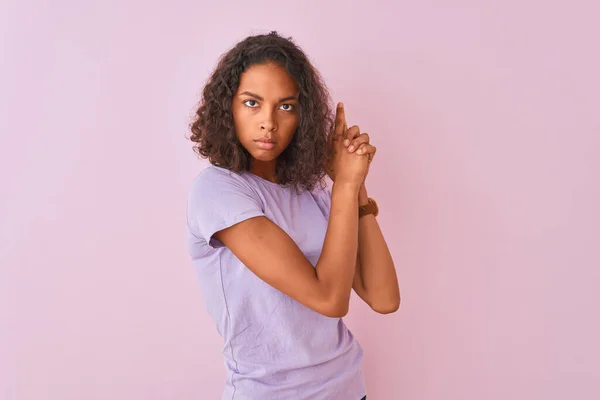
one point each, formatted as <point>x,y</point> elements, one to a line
<point>265,170</point>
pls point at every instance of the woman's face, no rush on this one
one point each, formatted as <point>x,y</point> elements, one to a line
<point>265,111</point>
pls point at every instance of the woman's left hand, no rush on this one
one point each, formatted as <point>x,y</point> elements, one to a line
<point>354,141</point>
<point>359,143</point>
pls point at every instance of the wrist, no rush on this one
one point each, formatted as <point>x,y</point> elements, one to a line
<point>353,187</point>
<point>363,197</point>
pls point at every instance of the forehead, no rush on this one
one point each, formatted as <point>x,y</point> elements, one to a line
<point>267,80</point>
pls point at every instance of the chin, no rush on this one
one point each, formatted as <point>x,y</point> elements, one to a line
<point>264,157</point>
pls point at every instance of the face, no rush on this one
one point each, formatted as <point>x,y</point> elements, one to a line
<point>265,112</point>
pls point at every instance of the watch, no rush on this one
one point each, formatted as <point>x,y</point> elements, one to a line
<point>369,208</point>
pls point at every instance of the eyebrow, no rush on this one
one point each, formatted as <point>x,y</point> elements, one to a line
<point>261,99</point>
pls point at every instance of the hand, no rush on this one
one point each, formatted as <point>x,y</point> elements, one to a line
<point>344,165</point>
<point>359,143</point>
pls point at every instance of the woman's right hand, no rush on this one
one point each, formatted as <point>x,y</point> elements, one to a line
<point>344,166</point>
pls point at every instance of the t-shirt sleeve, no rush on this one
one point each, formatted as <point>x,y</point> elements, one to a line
<point>218,200</point>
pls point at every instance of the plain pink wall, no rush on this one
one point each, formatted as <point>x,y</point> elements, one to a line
<point>486,117</point>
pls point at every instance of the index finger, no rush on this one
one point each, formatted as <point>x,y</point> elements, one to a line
<point>340,120</point>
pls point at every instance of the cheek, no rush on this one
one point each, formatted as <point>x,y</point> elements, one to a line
<point>289,124</point>
<point>241,121</point>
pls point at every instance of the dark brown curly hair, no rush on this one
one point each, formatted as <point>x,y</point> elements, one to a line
<point>301,164</point>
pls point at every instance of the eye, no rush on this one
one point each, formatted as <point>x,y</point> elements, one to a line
<point>287,107</point>
<point>250,103</point>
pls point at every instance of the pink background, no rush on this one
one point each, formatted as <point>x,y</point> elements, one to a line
<point>486,117</point>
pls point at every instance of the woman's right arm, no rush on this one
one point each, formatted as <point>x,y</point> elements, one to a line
<point>276,259</point>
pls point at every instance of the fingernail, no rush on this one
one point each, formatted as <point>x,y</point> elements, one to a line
<point>346,142</point>
<point>340,105</point>
<point>350,148</point>
<point>361,151</point>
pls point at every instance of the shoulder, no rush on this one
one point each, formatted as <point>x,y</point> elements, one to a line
<point>218,199</point>
<point>213,179</point>
<point>214,174</point>
<point>220,189</point>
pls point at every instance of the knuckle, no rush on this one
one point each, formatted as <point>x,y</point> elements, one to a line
<point>354,132</point>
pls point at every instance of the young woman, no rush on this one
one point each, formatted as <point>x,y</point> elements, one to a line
<point>277,252</point>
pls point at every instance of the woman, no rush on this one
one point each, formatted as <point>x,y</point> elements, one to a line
<point>277,252</point>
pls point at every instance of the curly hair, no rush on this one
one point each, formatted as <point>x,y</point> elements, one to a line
<point>301,164</point>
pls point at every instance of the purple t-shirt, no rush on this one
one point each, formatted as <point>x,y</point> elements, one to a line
<point>274,347</point>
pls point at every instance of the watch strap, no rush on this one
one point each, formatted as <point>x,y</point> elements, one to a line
<point>369,208</point>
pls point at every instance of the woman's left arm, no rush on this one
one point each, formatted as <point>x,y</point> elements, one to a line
<point>375,279</point>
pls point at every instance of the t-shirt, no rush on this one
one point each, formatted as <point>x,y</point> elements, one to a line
<point>274,346</point>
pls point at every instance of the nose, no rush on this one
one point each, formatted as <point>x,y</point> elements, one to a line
<point>268,122</point>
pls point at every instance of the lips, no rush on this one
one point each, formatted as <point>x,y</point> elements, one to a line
<point>265,144</point>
